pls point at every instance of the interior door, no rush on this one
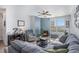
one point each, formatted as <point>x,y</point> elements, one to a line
<point>1,26</point>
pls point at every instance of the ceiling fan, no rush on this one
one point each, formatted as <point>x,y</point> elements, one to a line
<point>44,12</point>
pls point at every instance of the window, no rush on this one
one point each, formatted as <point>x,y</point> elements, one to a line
<point>58,25</point>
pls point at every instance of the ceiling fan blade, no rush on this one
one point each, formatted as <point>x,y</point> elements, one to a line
<point>49,14</point>
<point>43,11</point>
<point>46,12</point>
<point>39,12</point>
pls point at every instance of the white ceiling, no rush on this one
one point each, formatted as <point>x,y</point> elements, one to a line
<point>55,10</point>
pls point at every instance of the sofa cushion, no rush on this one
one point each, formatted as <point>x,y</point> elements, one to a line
<point>54,36</point>
<point>73,42</point>
<point>73,51</point>
<point>74,46</point>
<point>32,38</point>
<point>28,33</point>
<point>12,50</point>
<point>71,38</point>
<point>17,44</point>
<point>32,48</point>
<point>56,42</point>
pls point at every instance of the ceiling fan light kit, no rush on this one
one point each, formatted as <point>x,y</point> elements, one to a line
<point>44,13</point>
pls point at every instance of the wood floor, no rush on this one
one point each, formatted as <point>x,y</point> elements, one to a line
<point>1,46</point>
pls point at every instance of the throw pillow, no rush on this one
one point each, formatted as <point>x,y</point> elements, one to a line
<point>63,38</point>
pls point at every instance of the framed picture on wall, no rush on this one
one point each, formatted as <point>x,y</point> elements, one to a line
<point>20,23</point>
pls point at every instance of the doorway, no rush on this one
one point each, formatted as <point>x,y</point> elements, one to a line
<point>2,28</point>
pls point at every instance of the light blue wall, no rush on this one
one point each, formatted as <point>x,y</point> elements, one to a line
<point>37,25</point>
<point>40,24</point>
<point>45,24</point>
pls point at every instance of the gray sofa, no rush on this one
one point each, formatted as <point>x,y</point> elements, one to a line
<point>18,46</point>
<point>71,43</point>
